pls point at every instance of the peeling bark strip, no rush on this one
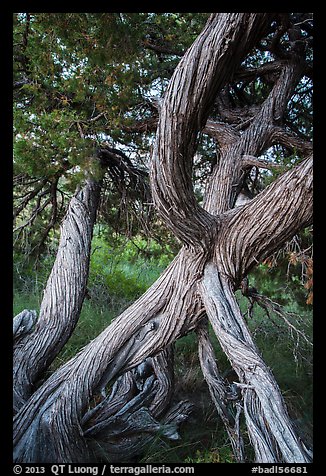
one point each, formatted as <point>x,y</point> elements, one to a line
<point>125,422</point>
<point>203,70</point>
<point>184,112</point>
<point>23,323</point>
<point>269,425</point>
<point>63,296</point>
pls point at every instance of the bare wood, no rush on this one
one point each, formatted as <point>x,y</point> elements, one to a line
<point>224,396</point>
<point>56,424</point>
<point>251,161</point>
<point>145,328</point>
<point>23,323</point>
<point>169,309</point>
<point>258,136</point>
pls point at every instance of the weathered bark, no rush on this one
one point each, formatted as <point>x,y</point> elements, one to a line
<point>168,310</point>
<point>270,428</point>
<point>63,296</point>
<point>125,422</point>
<point>202,71</point>
<point>58,423</point>
<point>249,235</point>
<point>227,177</point>
<point>256,235</point>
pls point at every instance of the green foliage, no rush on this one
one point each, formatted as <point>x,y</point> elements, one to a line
<point>27,300</point>
<point>212,455</point>
<point>126,268</point>
<point>85,79</point>
<point>30,276</point>
<point>75,66</point>
<point>120,270</point>
<point>286,352</point>
<point>199,444</point>
<point>82,80</point>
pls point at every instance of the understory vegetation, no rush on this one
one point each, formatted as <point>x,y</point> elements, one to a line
<point>121,270</point>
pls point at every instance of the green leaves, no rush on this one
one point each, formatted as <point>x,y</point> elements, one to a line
<point>126,268</point>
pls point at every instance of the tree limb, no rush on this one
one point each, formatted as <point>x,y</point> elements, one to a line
<point>228,175</point>
<point>161,49</point>
<point>268,220</point>
<point>63,295</point>
<point>280,135</point>
<point>209,62</point>
<point>251,161</point>
<point>270,428</point>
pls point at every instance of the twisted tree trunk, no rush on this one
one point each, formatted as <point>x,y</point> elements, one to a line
<point>62,421</point>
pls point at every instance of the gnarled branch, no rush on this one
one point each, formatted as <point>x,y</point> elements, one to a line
<point>268,220</point>
<point>208,62</point>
